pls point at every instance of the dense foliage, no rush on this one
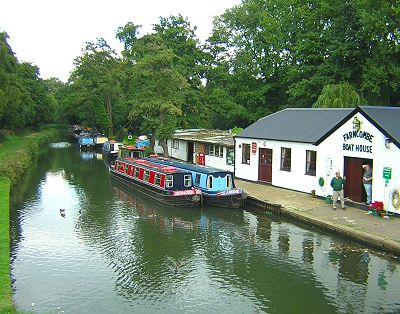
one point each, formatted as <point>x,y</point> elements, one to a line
<point>25,99</point>
<point>262,56</point>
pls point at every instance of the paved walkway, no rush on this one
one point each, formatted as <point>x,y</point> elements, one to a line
<point>352,222</point>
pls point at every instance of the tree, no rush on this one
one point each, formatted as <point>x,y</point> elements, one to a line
<point>338,96</point>
<point>158,91</point>
<point>95,86</point>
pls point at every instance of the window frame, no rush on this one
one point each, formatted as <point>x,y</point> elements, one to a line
<point>246,153</point>
<point>311,165</point>
<point>286,159</point>
<point>169,181</point>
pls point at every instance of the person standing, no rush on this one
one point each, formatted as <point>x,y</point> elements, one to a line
<point>337,183</point>
<point>367,181</point>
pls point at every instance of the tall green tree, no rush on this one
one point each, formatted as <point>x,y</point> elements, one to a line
<point>95,88</point>
<point>159,89</point>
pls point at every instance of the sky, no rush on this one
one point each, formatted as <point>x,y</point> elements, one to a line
<point>51,33</point>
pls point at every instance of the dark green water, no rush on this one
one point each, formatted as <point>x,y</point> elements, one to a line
<point>118,252</point>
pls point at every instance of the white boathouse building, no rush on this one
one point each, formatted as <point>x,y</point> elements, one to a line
<point>301,149</point>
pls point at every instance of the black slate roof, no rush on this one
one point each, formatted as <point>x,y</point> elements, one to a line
<point>305,125</point>
<point>313,125</point>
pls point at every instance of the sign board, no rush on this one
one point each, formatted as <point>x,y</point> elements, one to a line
<point>387,172</point>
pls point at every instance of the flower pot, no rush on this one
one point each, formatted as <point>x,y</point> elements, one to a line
<point>374,212</point>
<point>328,199</point>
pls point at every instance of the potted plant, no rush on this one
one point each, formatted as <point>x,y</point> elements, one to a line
<point>376,208</point>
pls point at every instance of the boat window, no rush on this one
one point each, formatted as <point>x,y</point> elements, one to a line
<point>229,181</point>
<point>187,180</point>
<point>146,175</point>
<point>197,179</point>
<point>127,168</point>
<point>209,182</point>
<point>136,172</point>
<point>169,181</point>
<point>157,179</point>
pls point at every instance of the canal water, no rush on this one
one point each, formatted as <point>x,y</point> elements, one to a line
<point>81,244</point>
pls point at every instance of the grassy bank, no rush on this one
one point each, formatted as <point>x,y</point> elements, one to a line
<point>16,154</point>
<point>5,284</point>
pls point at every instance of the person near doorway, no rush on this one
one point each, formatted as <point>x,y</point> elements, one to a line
<point>337,183</point>
<point>367,181</point>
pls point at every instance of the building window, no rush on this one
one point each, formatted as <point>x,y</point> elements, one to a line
<point>230,156</point>
<point>207,150</point>
<point>246,154</point>
<point>311,162</point>
<point>216,151</point>
<point>221,152</point>
<point>169,181</point>
<point>285,159</point>
<point>211,151</point>
<point>175,144</point>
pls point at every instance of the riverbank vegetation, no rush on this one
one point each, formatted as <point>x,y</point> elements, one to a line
<point>261,57</point>
<point>18,151</point>
<point>6,304</point>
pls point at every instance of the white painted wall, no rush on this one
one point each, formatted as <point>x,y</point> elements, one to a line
<point>382,157</point>
<point>218,162</point>
<point>296,179</point>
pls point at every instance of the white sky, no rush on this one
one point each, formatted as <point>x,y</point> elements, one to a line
<point>51,33</point>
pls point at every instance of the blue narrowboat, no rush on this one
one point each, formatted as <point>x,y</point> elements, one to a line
<point>166,184</point>
<point>217,185</point>
<point>86,141</point>
<point>110,149</point>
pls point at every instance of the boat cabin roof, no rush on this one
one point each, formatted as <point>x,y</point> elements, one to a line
<point>187,166</point>
<point>151,165</point>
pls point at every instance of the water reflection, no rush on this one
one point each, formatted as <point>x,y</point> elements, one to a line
<point>82,243</point>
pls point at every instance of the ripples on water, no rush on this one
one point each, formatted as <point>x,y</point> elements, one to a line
<point>116,252</point>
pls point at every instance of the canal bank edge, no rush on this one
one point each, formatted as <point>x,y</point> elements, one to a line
<point>372,240</point>
<point>16,155</point>
<point>6,304</point>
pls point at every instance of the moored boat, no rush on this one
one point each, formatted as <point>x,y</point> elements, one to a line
<point>99,139</point>
<point>217,186</point>
<point>165,184</point>
<point>110,149</point>
<point>86,141</point>
<point>131,151</point>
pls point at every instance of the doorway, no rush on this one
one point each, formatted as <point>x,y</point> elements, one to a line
<point>354,188</point>
<point>265,165</point>
<point>190,151</point>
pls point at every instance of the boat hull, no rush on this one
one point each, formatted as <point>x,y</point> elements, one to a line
<point>227,201</point>
<point>159,195</point>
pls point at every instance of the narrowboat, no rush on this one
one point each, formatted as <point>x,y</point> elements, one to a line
<point>99,140</point>
<point>110,149</point>
<point>86,141</point>
<point>166,184</point>
<point>217,185</point>
<point>131,151</point>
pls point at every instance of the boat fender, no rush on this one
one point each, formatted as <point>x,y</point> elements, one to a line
<point>196,198</point>
<point>130,137</point>
<point>321,181</point>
